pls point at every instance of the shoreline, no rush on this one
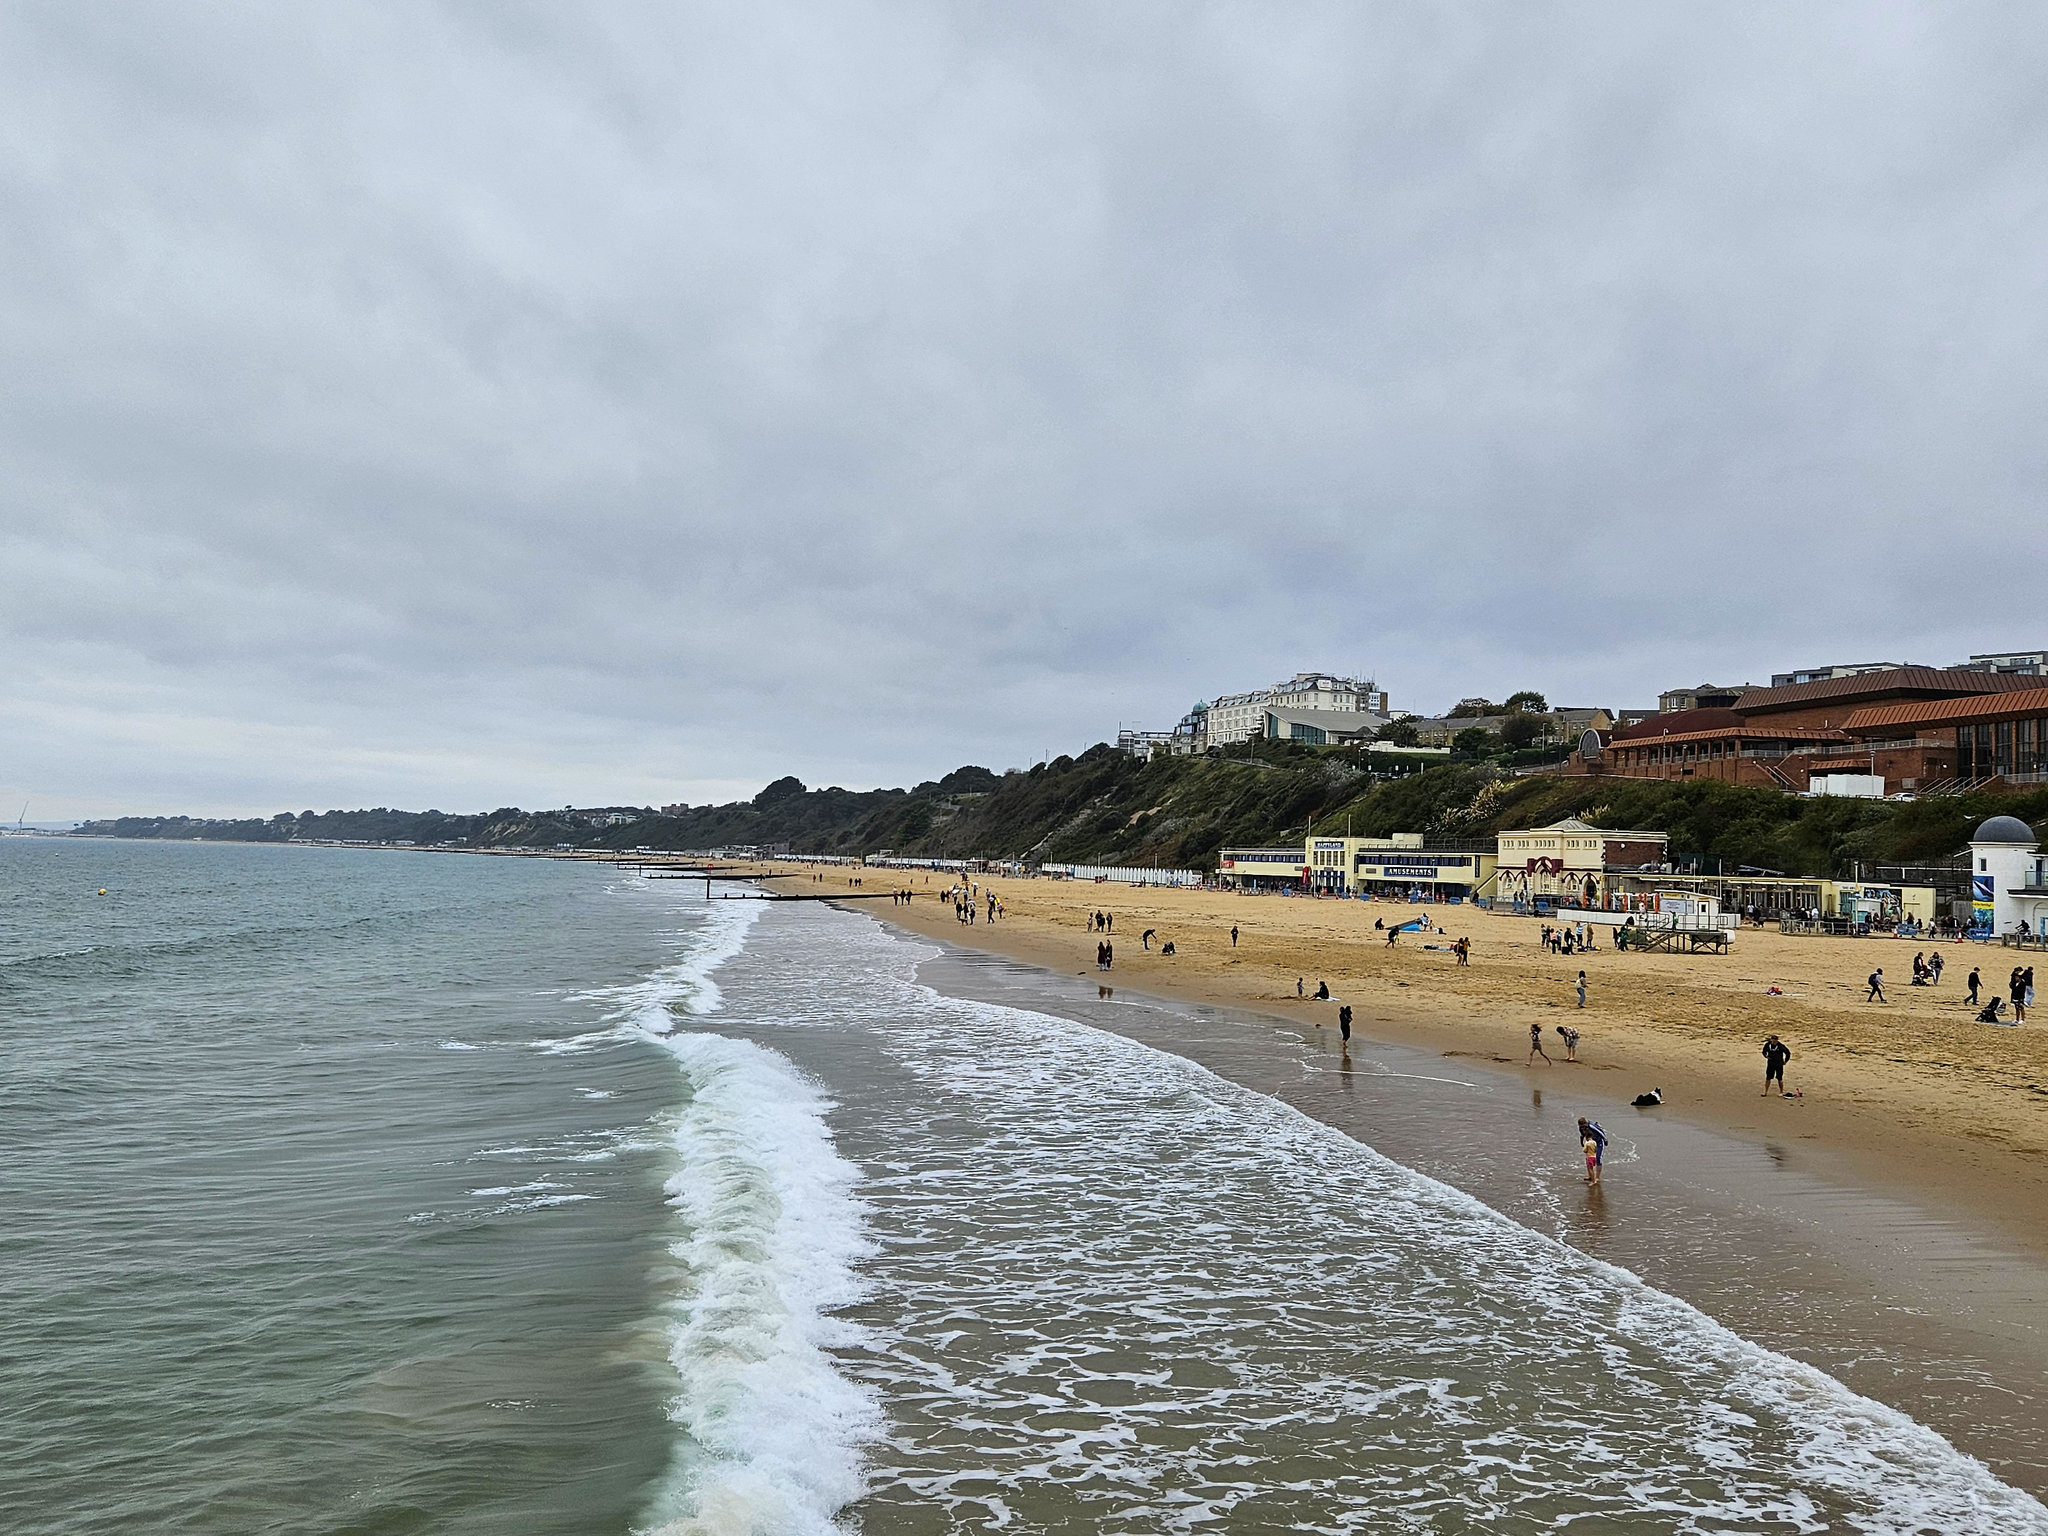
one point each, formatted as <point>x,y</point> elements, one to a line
<point>1909,1116</point>
<point>1927,1316</point>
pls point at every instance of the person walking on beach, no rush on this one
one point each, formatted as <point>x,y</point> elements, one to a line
<point>1582,989</point>
<point>1571,1041</point>
<point>1233,935</point>
<point>2023,995</point>
<point>1536,1046</point>
<point>1934,966</point>
<point>1876,983</point>
<point>1776,1054</point>
<point>1344,1022</point>
<point>1974,983</point>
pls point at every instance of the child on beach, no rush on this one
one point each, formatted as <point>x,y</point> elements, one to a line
<point>1536,1045</point>
<point>1571,1041</point>
<point>1592,1150</point>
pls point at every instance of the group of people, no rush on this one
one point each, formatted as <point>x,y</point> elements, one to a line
<point>1568,940</point>
<point>2019,986</point>
<point>1927,970</point>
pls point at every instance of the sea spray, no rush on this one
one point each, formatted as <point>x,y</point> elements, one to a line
<point>773,1431</point>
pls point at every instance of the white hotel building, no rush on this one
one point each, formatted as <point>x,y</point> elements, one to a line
<point>1240,716</point>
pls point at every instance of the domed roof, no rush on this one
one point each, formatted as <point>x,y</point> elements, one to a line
<point>2004,829</point>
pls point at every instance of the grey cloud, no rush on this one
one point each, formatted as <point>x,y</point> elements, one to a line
<point>479,403</point>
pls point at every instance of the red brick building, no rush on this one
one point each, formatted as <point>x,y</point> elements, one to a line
<point>1994,738</point>
<point>1903,723</point>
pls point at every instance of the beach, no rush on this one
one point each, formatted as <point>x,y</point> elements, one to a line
<point>1820,1226</point>
<point>1911,1096</point>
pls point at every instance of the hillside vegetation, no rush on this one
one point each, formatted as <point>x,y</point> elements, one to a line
<point>1108,808</point>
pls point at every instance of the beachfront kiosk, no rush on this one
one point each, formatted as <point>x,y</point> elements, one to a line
<point>2008,888</point>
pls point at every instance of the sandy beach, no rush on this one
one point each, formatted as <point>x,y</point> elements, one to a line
<point>1911,1096</point>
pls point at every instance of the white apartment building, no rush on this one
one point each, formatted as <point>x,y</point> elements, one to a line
<point>1240,716</point>
<point>2024,663</point>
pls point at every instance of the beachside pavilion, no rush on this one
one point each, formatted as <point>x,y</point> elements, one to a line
<point>1570,861</point>
<point>1263,869</point>
<point>1402,867</point>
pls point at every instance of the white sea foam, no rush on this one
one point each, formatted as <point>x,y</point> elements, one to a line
<point>651,1004</point>
<point>774,1231</point>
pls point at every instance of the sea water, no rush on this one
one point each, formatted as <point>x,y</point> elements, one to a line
<point>386,1192</point>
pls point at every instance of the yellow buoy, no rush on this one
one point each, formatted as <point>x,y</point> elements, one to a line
<point>103,890</point>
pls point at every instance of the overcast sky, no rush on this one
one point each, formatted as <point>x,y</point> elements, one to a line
<point>497,404</point>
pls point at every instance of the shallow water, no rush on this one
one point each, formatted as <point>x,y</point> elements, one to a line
<point>392,1192</point>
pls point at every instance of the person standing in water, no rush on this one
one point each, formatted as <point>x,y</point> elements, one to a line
<point>1591,1136</point>
<point>1344,1022</point>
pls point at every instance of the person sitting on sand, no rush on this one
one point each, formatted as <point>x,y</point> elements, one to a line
<point>1166,948</point>
<point>1322,991</point>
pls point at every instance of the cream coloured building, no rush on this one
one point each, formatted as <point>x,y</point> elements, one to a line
<point>1237,717</point>
<point>1571,861</point>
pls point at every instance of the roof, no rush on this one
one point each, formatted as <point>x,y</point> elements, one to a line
<point>1933,682</point>
<point>1336,720</point>
<point>1573,824</point>
<point>1761,730</point>
<point>2016,701</point>
<point>1679,722</point>
<point>2004,829</point>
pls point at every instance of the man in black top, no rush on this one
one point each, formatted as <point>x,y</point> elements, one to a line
<point>1776,1054</point>
<point>1344,1022</point>
<point>1976,981</point>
